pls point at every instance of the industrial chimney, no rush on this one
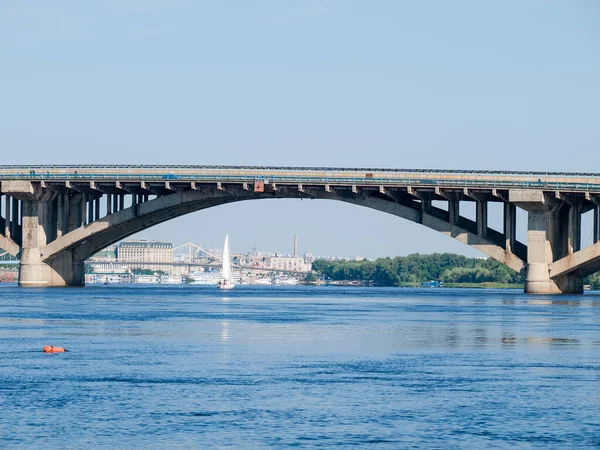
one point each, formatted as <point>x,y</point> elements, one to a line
<point>295,246</point>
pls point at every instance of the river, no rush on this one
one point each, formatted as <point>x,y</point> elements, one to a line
<point>307,367</point>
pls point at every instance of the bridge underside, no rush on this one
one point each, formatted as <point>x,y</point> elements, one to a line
<point>54,228</point>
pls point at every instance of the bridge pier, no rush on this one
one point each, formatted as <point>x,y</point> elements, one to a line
<point>553,232</point>
<point>61,271</point>
<point>45,215</point>
<point>40,225</point>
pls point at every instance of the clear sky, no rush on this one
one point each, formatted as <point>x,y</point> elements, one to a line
<point>413,84</point>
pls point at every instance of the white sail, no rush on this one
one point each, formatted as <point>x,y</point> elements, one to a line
<point>227,282</point>
<point>226,260</point>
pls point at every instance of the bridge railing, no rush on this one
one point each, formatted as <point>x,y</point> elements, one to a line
<point>391,182</point>
<point>163,167</point>
<point>308,176</point>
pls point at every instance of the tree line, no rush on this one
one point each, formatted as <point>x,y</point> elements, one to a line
<point>417,268</point>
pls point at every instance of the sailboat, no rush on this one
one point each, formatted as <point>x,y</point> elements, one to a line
<point>227,281</point>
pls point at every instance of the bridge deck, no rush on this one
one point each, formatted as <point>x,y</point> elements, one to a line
<point>581,182</point>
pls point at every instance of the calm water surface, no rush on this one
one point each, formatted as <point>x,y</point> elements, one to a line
<point>193,367</point>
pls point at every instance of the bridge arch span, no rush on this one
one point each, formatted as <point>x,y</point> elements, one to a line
<point>62,259</point>
<point>52,217</point>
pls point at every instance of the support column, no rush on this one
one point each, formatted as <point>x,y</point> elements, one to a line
<point>510,225</point>
<point>60,216</point>
<point>539,255</point>
<point>596,224</point>
<point>14,221</point>
<point>115,203</point>
<point>482,218</point>
<point>66,213</point>
<point>76,212</point>
<point>7,225</point>
<point>108,204</point>
<point>574,229</point>
<point>32,272</point>
<point>83,209</point>
<point>97,209</point>
<point>90,209</point>
<point>1,215</point>
<point>453,211</point>
<point>121,202</point>
<point>49,219</point>
<point>426,205</point>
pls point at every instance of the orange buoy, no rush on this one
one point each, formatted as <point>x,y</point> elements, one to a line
<point>53,349</point>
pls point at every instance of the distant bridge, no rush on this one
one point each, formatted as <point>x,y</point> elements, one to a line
<point>55,217</point>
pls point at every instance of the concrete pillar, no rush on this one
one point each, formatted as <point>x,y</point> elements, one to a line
<point>48,219</point>
<point>7,226</point>
<point>108,204</point>
<point>539,255</point>
<point>75,212</point>
<point>121,202</point>
<point>510,225</point>
<point>482,218</point>
<point>453,211</point>
<point>33,272</point>
<point>574,229</point>
<point>425,205</point>
<point>66,205</point>
<point>115,203</point>
<point>97,209</point>
<point>90,209</point>
<point>60,216</point>
<point>83,208</point>
<point>596,224</point>
<point>14,221</point>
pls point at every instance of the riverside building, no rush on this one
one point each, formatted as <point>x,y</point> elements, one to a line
<point>153,255</point>
<point>290,264</point>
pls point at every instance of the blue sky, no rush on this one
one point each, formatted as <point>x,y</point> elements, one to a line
<point>462,84</point>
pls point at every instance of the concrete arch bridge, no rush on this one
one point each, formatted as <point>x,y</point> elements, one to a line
<point>55,217</point>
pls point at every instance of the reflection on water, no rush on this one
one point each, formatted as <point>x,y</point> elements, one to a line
<point>165,367</point>
<point>509,339</point>
<point>551,341</point>
<point>224,331</point>
<point>555,302</point>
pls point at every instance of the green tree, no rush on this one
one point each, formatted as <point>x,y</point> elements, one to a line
<point>310,277</point>
<point>446,267</point>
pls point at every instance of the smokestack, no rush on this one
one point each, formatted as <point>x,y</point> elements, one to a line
<point>295,246</point>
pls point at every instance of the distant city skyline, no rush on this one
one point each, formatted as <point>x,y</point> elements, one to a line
<point>457,85</point>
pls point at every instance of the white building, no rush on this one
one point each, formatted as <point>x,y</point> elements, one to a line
<point>145,251</point>
<point>140,252</point>
<point>289,263</point>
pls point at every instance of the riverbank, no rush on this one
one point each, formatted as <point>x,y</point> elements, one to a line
<point>484,285</point>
